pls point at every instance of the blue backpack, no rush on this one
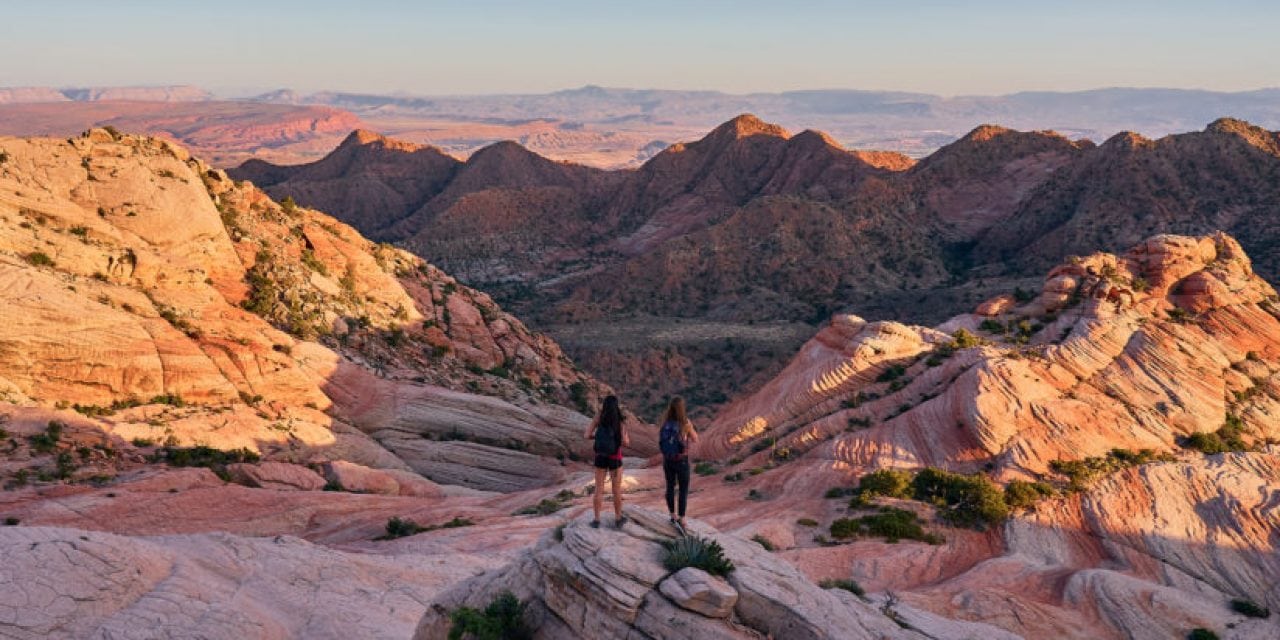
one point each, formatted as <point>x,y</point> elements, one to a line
<point>669,441</point>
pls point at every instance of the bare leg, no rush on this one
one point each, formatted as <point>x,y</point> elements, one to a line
<point>617,493</point>
<point>598,497</point>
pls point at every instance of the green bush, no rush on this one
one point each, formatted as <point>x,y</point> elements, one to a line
<point>1250,608</point>
<point>991,326</point>
<point>1225,439</point>
<point>764,542</point>
<point>837,492</point>
<point>705,469</point>
<point>545,507</point>
<point>1020,494</point>
<point>11,521</point>
<point>502,619</point>
<point>890,523</point>
<point>848,585</point>
<point>807,522</point>
<point>966,501</point>
<point>893,372</point>
<point>398,527</point>
<point>39,259</point>
<point>889,483</point>
<point>312,262</point>
<point>698,552</point>
<point>1202,634</point>
<point>47,441</point>
<point>1080,473</point>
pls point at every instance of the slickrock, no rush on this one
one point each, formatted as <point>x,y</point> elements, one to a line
<point>173,306</point>
<point>1134,351</point>
<point>66,583</point>
<point>585,582</point>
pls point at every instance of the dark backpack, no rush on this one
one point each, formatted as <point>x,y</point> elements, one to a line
<point>669,441</point>
<point>608,439</point>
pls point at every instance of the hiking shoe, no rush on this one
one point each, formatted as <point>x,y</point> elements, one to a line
<point>621,521</point>
<point>595,524</point>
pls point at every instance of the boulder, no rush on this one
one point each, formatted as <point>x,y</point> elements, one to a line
<point>391,482</point>
<point>280,476</point>
<point>700,592</point>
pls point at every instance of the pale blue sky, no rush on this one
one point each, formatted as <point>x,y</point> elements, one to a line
<point>490,46</point>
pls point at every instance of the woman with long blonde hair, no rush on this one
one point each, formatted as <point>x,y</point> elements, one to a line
<point>674,438</point>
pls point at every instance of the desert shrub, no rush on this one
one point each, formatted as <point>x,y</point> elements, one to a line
<point>144,442</point>
<point>698,552</point>
<point>893,372</point>
<point>764,542</point>
<point>401,527</point>
<point>991,326</point>
<point>1250,608</point>
<point>762,444</point>
<point>502,619</point>
<point>171,399</point>
<point>1020,494</point>
<point>202,456</point>
<point>398,527</point>
<point>1200,633</point>
<point>890,523</point>
<point>754,494</point>
<point>4,157</point>
<point>807,522</point>
<point>47,441</point>
<point>1080,473</point>
<point>113,132</point>
<point>544,507</point>
<point>837,492</point>
<point>79,231</point>
<point>11,521</point>
<point>288,205</point>
<point>578,394</point>
<point>39,259</point>
<point>889,483</point>
<point>963,339</point>
<point>733,477</point>
<point>840,583</point>
<point>1225,439</point>
<point>967,501</point>
<point>4,434</point>
<point>312,262</point>
<point>1179,315</point>
<point>705,469</point>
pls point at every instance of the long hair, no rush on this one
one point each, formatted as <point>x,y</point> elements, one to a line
<point>676,413</point>
<point>611,414</point>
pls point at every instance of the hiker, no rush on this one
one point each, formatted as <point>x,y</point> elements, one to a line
<point>674,438</point>
<point>610,436</point>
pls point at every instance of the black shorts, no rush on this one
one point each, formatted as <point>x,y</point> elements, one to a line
<point>607,462</point>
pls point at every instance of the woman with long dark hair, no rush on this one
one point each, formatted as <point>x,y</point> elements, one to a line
<point>610,435</point>
<point>674,438</point>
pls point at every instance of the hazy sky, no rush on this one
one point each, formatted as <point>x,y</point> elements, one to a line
<point>484,46</point>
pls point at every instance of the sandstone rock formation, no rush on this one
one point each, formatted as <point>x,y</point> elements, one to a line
<point>155,297</point>
<point>606,583</point>
<point>752,224</point>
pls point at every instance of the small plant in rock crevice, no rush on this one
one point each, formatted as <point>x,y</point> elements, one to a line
<point>698,552</point>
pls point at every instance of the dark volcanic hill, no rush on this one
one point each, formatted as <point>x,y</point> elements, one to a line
<point>751,224</point>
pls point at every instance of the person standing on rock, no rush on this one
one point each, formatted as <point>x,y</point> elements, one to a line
<point>674,438</point>
<point>610,435</point>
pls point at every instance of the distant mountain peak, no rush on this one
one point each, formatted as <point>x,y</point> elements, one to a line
<point>746,125</point>
<point>364,138</point>
<point>1250,133</point>
<point>985,132</point>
